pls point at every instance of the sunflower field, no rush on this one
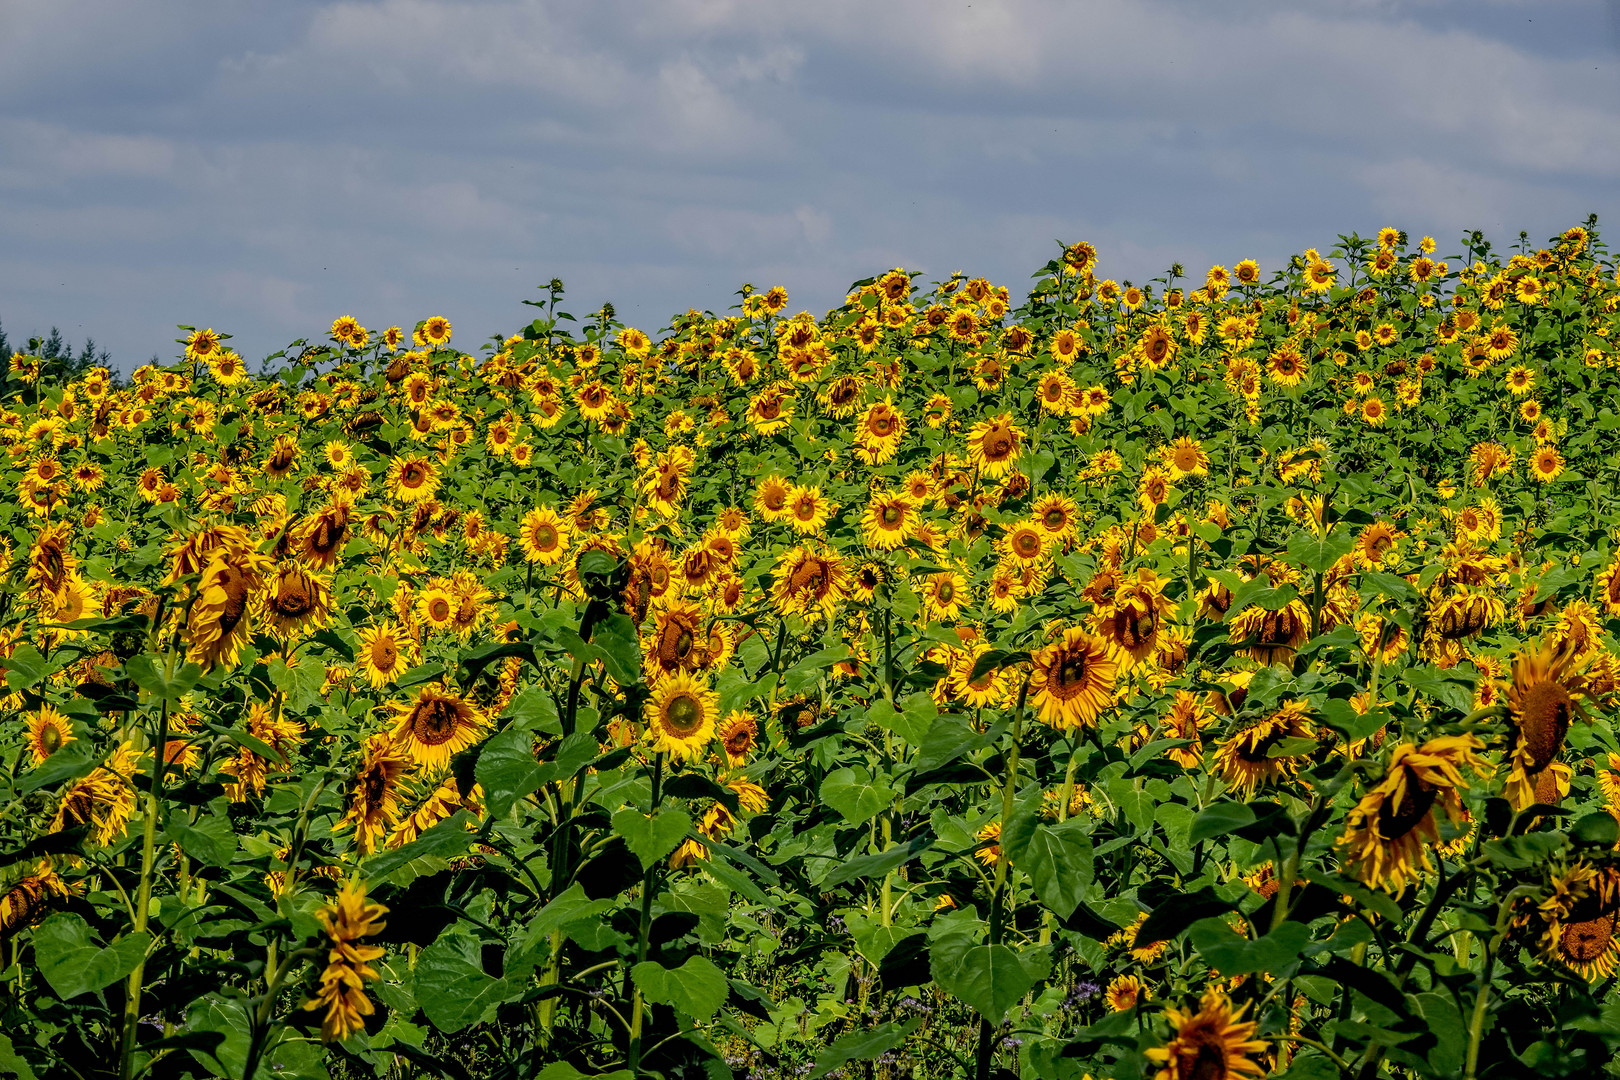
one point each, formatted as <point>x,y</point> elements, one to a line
<point>1206,679</point>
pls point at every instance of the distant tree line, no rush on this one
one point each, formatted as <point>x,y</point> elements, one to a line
<point>60,363</point>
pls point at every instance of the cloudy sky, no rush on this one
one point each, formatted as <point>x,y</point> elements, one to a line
<point>263,167</point>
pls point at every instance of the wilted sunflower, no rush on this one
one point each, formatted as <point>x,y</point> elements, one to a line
<point>1213,1043</point>
<point>320,541</point>
<point>221,616</point>
<point>1546,696</point>
<point>1132,619</point>
<point>348,919</point>
<point>437,725</point>
<point>1073,679</point>
<point>31,898</point>
<point>1576,924</point>
<point>1270,637</point>
<point>1185,719</point>
<point>1244,757</point>
<point>809,583</point>
<point>1385,833</point>
<point>374,801</point>
<point>680,717</point>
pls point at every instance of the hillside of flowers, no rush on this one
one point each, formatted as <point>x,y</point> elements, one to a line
<point>1204,678</point>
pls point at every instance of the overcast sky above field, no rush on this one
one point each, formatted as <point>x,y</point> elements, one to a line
<point>265,167</point>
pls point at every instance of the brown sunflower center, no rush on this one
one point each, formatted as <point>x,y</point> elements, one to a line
<point>891,515</point>
<point>1395,820</point>
<point>439,609</point>
<point>434,721</point>
<point>1585,941</point>
<point>384,653</point>
<point>292,600</point>
<point>50,739</point>
<point>1545,721</point>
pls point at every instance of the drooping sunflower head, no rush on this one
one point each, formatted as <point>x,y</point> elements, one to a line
<point>1546,695</point>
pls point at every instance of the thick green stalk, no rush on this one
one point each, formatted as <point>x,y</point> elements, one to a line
<point>649,885</point>
<point>1009,793</point>
<point>143,901</point>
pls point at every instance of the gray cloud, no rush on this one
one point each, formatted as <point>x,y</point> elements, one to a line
<point>265,168</point>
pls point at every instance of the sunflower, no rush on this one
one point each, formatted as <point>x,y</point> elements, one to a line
<point>543,536</point>
<point>1125,993</point>
<point>436,726</point>
<point>221,616</point>
<point>1073,679</point>
<point>1186,457</point>
<point>770,410</point>
<point>437,607</point>
<point>1546,464</point>
<point>739,736</point>
<point>993,445</point>
<point>296,601</point>
<point>887,521</point>
<point>1287,367</point>
<point>1377,544</point>
<point>1025,543</point>
<point>988,849</point>
<point>48,732</point>
<point>807,509</point>
<point>320,540</point>
<point>1270,637</point>
<point>809,583</point>
<point>1057,516</point>
<point>348,919</point>
<point>680,717</point>
<point>771,498</point>
<point>1575,923</point>
<point>30,899</point>
<point>1548,689</point>
<point>434,331</point>
<point>1385,832</point>
<point>1244,757</point>
<point>51,563</point>
<point>412,479</point>
<point>1132,619</point>
<point>385,653</point>
<point>1213,1043</point>
<point>1186,718</point>
<point>943,595</point>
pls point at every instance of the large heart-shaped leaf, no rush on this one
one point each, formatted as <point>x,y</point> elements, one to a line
<point>74,964</point>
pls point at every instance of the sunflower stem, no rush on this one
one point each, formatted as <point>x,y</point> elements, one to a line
<point>648,887</point>
<point>143,902</point>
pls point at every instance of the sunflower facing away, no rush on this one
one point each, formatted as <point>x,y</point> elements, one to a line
<point>348,963</point>
<point>374,800</point>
